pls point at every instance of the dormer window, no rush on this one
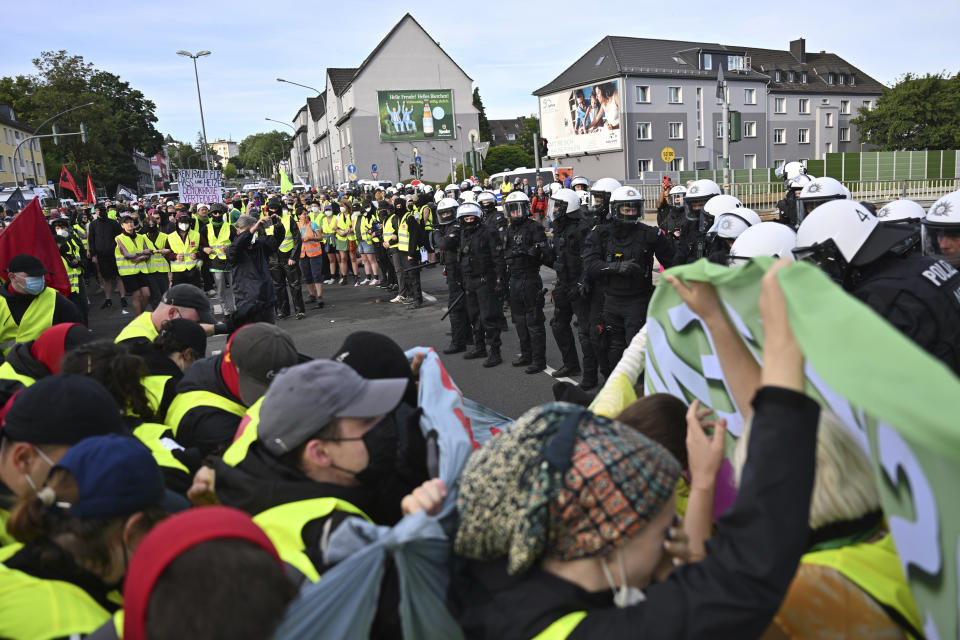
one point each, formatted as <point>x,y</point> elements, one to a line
<point>829,78</point>
<point>707,61</point>
<point>734,62</point>
<point>776,76</point>
<point>679,60</point>
<point>803,77</point>
<point>841,79</point>
<point>790,76</point>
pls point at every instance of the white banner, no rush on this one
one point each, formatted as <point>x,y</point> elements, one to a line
<point>200,185</point>
<point>582,119</point>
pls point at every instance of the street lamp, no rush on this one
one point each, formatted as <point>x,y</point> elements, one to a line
<point>203,126</point>
<point>300,85</point>
<point>462,158</point>
<point>286,124</point>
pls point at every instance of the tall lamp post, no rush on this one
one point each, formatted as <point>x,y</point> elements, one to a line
<point>203,126</point>
<point>463,159</point>
<point>306,86</point>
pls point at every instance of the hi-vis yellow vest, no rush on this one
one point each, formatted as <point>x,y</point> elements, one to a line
<point>563,627</point>
<point>345,223</point>
<point>246,435</point>
<point>403,233</point>
<point>875,568</point>
<point>7,372</point>
<point>36,319</point>
<point>156,263</point>
<point>133,245</point>
<point>73,274</point>
<point>183,402</point>
<point>184,249</point>
<point>139,327</point>
<point>284,525</point>
<point>219,241</point>
<point>161,447</point>
<point>286,245</point>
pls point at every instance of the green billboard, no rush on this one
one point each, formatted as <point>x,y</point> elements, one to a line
<point>416,114</point>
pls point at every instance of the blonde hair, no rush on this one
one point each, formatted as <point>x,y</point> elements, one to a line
<point>844,486</point>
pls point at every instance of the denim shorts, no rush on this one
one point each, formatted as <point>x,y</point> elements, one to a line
<point>365,247</point>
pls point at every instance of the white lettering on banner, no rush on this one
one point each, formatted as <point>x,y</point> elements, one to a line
<point>200,185</point>
<point>854,422</point>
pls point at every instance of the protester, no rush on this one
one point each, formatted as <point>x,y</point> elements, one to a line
<point>252,284</point>
<point>220,234</point>
<point>311,253</point>
<point>101,246</point>
<point>132,257</point>
<point>28,362</point>
<point>27,305</point>
<point>180,301</point>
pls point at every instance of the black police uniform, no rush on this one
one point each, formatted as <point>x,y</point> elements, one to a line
<point>569,234</point>
<point>484,272</point>
<point>446,241</point>
<point>285,277</point>
<point>592,290</point>
<point>498,222</point>
<point>920,296</point>
<point>787,209</point>
<point>524,252</point>
<point>621,256</point>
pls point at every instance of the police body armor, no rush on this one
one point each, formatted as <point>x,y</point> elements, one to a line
<point>628,243</point>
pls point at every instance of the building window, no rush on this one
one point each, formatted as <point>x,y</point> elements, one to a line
<point>803,105</point>
<point>841,79</point>
<point>749,161</point>
<point>734,62</point>
<point>845,107</point>
<point>868,104</point>
<point>779,163</point>
<point>645,165</point>
<point>828,119</point>
<point>829,78</point>
<point>719,164</point>
<point>511,136</point>
<point>39,170</point>
<point>844,134</point>
<point>776,76</point>
<point>804,136</point>
<point>675,165</point>
<point>707,61</point>
<point>790,76</point>
<point>720,128</point>
<point>803,77</point>
<point>779,136</point>
<point>779,105</point>
<point>749,96</point>
<point>851,81</point>
<point>644,131</point>
<point>750,129</point>
<point>2,167</point>
<point>675,130</point>
<point>643,93</point>
<point>828,147</point>
<point>674,95</point>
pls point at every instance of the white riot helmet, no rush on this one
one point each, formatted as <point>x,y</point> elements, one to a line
<point>580,181</point>
<point>763,239</point>
<point>714,207</point>
<point>699,191</point>
<point>907,214</point>
<point>468,196</point>
<point>517,205</point>
<point>563,203</point>
<point>487,201</point>
<point>676,195</point>
<point>476,189</point>
<point>466,185</point>
<point>553,188</point>
<point>467,210</point>
<point>600,193</point>
<point>791,170</point>
<point>797,183</point>
<point>438,196</point>
<point>447,210</point>
<point>452,191</point>
<point>841,234</point>
<point>941,229</point>
<point>626,205</point>
<point>818,191</point>
<point>426,188</point>
<point>731,224</point>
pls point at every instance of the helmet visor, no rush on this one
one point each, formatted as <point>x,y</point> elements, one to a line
<point>556,208</point>
<point>629,211</point>
<point>941,242</point>
<point>517,209</point>
<point>826,256</point>
<point>676,200</point>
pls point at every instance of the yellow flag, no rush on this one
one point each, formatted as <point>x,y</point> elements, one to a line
<point>285,185</point>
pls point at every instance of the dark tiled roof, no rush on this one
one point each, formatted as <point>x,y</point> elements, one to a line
<point>817,66</point>
<point>318,107</point>
<point>340,79</point>
<point>500,128</point>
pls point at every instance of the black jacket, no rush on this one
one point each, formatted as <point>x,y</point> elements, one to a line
<point>733,593</point>
<point>569,235</point>
<point>526,247</point>
<point>23,362</point>
<point>610,245</point>
<point>252,283</point>
<point>481,253</point>
<point>208,429</point>
<point>101,237</point>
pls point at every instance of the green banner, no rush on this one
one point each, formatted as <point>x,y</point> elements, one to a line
<point>897,400</point>
<point>412,114</point>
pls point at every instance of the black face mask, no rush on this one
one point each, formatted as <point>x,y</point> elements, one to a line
<point>382,443</point>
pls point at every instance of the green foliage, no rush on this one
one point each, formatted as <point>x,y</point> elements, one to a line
<point>261,150</point>
<point>462,173</point>
<point>525,138</point>
<point>185,156</point>
<point>507,156</point>
<point>230,171</point>
<point>484,124</point>
<point>919,112</point>
<point>120,121</point>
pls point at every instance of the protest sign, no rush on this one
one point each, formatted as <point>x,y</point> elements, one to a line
<point>200,185</point>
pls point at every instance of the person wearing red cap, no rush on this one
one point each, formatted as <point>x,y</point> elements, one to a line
<point>27,362</point>
<point>27,305</point>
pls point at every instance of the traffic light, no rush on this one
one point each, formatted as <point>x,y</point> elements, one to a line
<point>735,126</point>
<point>543,148</point>
<point>56,134</point>
<point>413,168</point>
<point>83,132</point>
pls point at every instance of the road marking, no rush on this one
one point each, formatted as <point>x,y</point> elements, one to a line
<point>549,371</point>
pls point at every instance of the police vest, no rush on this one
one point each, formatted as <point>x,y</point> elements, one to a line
<point>403,233</point>
<point>311,243</point>
<point>284,525</point>
<point>36,608</point>
<point>875,568</point>
<point>36,319</point>
<point>156,263</point>
<point>184,402</point>
<point>73,274</point>
<point>125,266</point>
<point>219,241</point>
<point>7,372</point>
<point>246,435</point>
<point>186,251</point>
<point>563,627</point>
<point>139,327</point>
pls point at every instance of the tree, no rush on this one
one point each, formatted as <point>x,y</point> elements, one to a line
<point>531,126</point>
<point>261,150</point>
<point>230,171</point>
<point>506,156</point>
<point>916,113</point>
<point>185,156</point>
<point>484,124</point>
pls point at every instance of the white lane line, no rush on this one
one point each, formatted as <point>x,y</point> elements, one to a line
<point>549,371</point>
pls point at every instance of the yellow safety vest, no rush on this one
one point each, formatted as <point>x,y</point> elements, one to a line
<point>246,435</point>
<point>37,318</point>
<point>81,234</point>
<point>7,372</point>
<point>32,608</point>
<point>112,214</point>
<point>152,435</point>
<point>139,327</point>
<point>73,274</point>
<point>403,233</point>
<point>875,568</point>
<point>183,402</point>
<point>286,245</point>
<point>154,386</point>
<point>156,263</point>
<point>563,627</point>
<point>132,245</point>
<point>345,223</point>
<point>186,249</point>
<point>426,214</point>
<point>366,229</point>
<point>389,229</point>
<point>219,241</point>
<point>284,525</point>
<point>329,225</point>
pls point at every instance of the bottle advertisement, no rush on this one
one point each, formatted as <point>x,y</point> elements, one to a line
<point>411,114</point>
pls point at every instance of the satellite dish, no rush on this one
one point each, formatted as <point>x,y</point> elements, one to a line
<point>473,135</point>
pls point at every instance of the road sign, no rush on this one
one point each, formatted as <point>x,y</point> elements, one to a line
<point>667,154</point>
<point>351,168</point>
<point>419,160</point>
<point>473,135</point>
<point>351,176</point>
<point>373,168</point>
<point>373,174</point>
<point>336,166</point>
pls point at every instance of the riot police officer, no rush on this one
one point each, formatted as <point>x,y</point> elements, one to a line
<point>620,255</point>
<point>484,274</point>
<point>446,240</point>
<point>491,216</point>
<point>569,233</point>
<point>904,213</point>
<point>693,230</point>
<point>919,295</point>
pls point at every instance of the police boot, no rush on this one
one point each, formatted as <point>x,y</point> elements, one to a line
<point>454,348</point>
<point>494,358</point>
<point>522,361</point>
<point>588,383</point>
<point>566,371</point>
<point>478,351</point>
<point>536,367</point>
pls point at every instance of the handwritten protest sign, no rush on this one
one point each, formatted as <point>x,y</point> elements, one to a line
<point>200,185</point>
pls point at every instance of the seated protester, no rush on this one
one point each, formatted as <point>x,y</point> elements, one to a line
<point>40,423</point>
<point>78,532</point>
<point>545,555</point>
<point>180,343</point>
<point>215,392</point>
<point>180,301</point>
<point>27,362</point>
<point>175,585</point>
<point>27,305</point>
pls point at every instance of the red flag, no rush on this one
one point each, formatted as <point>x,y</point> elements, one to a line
<point>29,233</point>
<point>91,192</point>
<point>66,182</point>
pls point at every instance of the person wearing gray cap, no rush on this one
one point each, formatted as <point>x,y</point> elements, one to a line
<point>253,293</point>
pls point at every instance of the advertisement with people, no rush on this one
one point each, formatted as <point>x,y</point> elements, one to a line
<point>412,114</point>
<point>583,119</point>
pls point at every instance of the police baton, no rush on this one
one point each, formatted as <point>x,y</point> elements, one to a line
<point>421,266</point>
<point>452,305</point>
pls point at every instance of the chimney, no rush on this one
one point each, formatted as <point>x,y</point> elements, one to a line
<point>798,49</point>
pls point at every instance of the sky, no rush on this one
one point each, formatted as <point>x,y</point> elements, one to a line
<point>509,48</point>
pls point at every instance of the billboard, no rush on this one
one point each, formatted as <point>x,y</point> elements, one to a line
<point>416,114</point>
<point>582,119</point>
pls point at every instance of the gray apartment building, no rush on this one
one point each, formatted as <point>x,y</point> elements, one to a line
<point>614,111</point>
<point>407,99</point>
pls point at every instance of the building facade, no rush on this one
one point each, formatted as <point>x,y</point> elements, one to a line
<point>792,105</point>
<point>226,149</point>
<point>26,166</point>
<point>346,126</point>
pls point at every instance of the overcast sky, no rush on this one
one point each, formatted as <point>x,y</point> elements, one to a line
<point>509,48</point>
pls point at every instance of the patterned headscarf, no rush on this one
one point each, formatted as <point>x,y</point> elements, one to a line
<point>561,481</point>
